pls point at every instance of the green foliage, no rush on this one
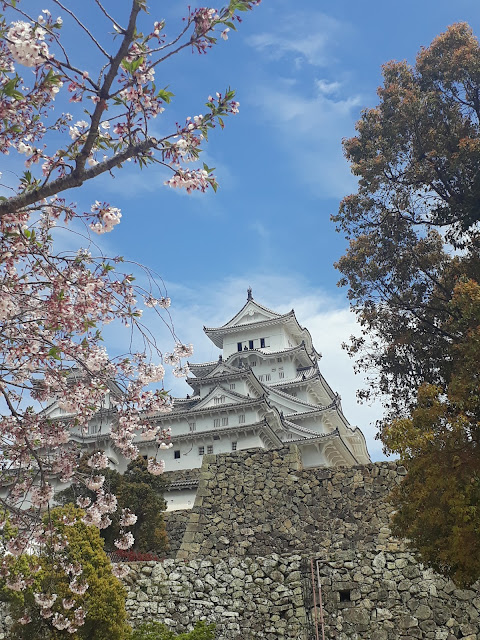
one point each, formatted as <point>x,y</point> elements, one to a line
<point>104,600</point>
<point>417,158</point>
<point>158,631</point>
<point>140,491</point>
<point>438,503</point>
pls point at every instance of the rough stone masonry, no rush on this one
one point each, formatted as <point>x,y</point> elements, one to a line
<point>259,526</point>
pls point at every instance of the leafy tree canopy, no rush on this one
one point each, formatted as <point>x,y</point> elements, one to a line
<point>416,156</point>
<point>412,269</point>
<point>55,602</point>
<point>437,505</point>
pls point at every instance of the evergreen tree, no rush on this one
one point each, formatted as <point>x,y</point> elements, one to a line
<point>96,614</point>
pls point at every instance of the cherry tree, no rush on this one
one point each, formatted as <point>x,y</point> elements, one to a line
<point>55,303</point>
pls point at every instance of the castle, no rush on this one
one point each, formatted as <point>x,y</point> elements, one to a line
<point>265,392</point>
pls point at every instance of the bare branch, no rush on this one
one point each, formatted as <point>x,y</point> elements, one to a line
<point>80,24</point>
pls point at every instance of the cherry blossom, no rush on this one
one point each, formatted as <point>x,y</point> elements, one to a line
<point>120,570</point>
<point>45,600</point>
<point>26,43</point>
<point>125,541</point>
<point>127,518</point>
<point>78,588</point>
<point>155,467</point>
<point>56,375</point>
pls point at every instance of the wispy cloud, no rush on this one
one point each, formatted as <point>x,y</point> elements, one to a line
<point>312,108</point>
<point>306,37</point>
<point>312,128</point>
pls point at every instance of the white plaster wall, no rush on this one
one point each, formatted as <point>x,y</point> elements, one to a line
<point>189,450</point>
<point>180,499</point>
<point>277,339</point>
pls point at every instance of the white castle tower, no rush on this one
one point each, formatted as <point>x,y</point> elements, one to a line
<point>265,391</point>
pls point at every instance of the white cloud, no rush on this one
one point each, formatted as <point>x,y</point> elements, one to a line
<point>311,129</point>
<point>326,88</point>
<point>310,115</point>
<point>303,36</point>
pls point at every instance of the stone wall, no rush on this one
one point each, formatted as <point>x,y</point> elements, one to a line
<point>259,526</point>
<point>175,524</point>
<point>247,598</point>
<point>258,503</point>
<point>365,596</point>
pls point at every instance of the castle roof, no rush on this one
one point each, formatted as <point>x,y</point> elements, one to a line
<point>254,316</point>
<point>204,369</point>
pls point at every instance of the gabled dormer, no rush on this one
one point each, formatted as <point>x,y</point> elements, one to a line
<point>257,327</point>
<point>220,397</point>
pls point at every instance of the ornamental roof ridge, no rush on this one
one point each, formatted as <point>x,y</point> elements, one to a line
<point>186,399</point>
<point>200,435</point>
<point>242,373</point>
<point>318,436</point>
<point>293,398</point>
<point>270,354</point>
<point>292,425</point>
<point>313,373</point>
<point>250,301</point>
<point>267,321</point>
<point>161,417</point>
<point>318,409</point>
<point>213,363</point>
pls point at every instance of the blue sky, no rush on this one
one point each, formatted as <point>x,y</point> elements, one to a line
<point>303,71</point>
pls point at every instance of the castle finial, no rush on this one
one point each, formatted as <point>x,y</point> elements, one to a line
<point>249,293</point>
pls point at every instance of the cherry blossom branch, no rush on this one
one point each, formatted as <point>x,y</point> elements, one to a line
<point>74,179</point>
<point>105,90</point>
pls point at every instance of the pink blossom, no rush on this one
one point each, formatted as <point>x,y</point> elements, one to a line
<point>78,588</point>
<point>120,570</point>
<point>27,44</point>
<point>45,600</point>
<point>128,518</point>
<point>155,467</point>
<point>125,541</point>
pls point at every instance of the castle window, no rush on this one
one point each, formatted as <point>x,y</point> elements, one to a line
<point>239,346</point>
<point>201,451</point>
<point>232,385</point>
<point>279,359</point>
<point>250,344</point>
<point>241,418</point>
<point>262,343</point>
<point>216,422</point>
<point>253,363</point>
<point>219,400</point>
<point>260,377</point>
<point>281,374</point>
<point>224,422</point>
<point>210,448</point>
<point>192,426</point>
<point>268,377</point>
<point>234,446</point>
<point>176,454</point>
